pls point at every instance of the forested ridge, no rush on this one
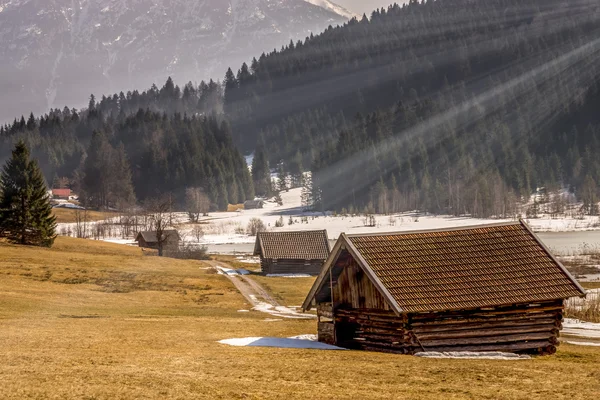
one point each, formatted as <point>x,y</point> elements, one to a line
<point>447,106</point>
<point>455,106</point>
<point>137,146</point>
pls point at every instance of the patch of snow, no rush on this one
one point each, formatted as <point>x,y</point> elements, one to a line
<point>289,276</point>
<point>593,344</point>
<point>581,329</point>
<point>279,311</point>
<point>231,272</point>
<point>492,355</point>
<point>330,6</point>
<point>128,242</point>
<point>284,343</point>
<point>312,337</point>
<point>248,260</point>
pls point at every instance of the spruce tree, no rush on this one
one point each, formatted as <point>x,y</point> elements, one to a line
<point>25,211</point>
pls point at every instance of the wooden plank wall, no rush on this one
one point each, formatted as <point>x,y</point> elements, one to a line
<point>525,328</point>
<point>282,266</point>
<point>354,289</point>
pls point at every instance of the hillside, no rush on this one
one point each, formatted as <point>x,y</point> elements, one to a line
<point>94,320</point>
<point>55,53</point>
<point>448,106</point>
<point>135,148</point>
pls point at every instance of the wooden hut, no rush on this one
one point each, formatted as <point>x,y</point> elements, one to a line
<point>149,239</point>
<point>254,204</point>
<point>292,252</point>
<point>486,288</point>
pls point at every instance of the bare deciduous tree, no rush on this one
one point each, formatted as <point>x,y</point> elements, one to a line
<point>81,221</point>
<point>198,232</point>
<point>197,203</point>
<point>159,216</point>
<point>255,225</point>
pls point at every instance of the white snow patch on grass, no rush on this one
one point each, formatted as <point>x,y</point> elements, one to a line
<point>289,276</point>
<point>583,343</point>
<point>279,311</point>
<point>232,272</point>
<point>492,355</point>
<point>581,329</point>
<point>248,260</point>
<point>297,342</point>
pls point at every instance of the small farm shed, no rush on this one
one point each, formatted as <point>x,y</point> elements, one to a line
<point>292,252</point>
<point>61,194</point>
<point>149,239</point>
<point>253,204</point>
<point>486,288</point>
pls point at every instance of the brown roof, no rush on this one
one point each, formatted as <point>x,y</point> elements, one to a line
<point>307,245</point>
<point>462,268</point>
<point>61,192</point>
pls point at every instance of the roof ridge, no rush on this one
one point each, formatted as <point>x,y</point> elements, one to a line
<point>452,229</point>
<point>280,232</point>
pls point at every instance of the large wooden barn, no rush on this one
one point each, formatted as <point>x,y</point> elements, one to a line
<point>487,288</point>
<point>292,252</point>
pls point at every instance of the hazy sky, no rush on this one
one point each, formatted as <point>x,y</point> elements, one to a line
<point>365,6</point>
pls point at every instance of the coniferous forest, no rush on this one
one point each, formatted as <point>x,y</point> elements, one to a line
<point>447,106</point>
<point>139,146</point>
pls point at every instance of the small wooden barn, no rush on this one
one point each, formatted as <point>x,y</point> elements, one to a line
<point>292,252</point>
<point>149,239</point>
<point>253,204</point>
<point>486,288</point>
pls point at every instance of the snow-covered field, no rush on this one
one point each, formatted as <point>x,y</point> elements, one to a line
<point>229,228</point>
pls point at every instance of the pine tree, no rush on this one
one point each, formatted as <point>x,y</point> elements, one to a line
<point>282,179</point>
<point>261,174</point>
<point>25,211</point>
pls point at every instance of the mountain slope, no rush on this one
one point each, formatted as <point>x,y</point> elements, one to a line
<point>451,106</point>
<point>56,52</point>
<point>331,6</point>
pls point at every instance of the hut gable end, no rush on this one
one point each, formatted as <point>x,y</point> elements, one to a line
<point>354,289</point>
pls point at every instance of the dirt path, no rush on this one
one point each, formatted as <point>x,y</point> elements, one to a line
<point>260,299</point>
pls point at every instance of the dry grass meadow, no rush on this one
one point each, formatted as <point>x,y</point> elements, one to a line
<point>88,320</point>
<point>66,215</point>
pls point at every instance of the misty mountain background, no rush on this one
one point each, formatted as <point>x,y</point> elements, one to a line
<point>57,52</point>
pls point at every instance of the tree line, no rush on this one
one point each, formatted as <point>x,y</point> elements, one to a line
<point>447,106</point>
<point>125,149</point>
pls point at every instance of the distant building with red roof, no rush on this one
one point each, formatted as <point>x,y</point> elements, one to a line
<point>61,193</point>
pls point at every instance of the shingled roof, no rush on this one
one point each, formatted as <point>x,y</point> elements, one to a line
<point>454,269</point>
<point>306,245</point>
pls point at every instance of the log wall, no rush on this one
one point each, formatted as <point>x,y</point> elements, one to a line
<point>284,266</point>
<point>524,328</point>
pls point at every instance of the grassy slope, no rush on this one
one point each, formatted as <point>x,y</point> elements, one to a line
<point>65,215</point>
<point>93,320</point>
